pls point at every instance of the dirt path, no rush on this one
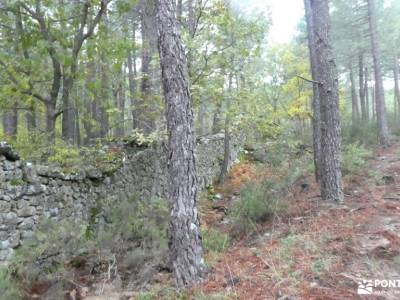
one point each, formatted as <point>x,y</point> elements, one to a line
<point>323,251</point>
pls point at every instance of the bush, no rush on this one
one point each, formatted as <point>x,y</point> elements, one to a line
<point>364,133</point>
<point>214,240</point>
<point>130,234</point>
<point>258,203</point>
<point>8,287</point>
<point>354,158</point>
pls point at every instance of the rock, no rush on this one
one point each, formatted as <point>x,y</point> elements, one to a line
<point>4,254</point>
<point>374,242</point>
<point>11,218</point>
<point>7,151</point>
<point>35,189</point>
<point>305,186</point>
<point>4,245</point>
<point>14,240</point>
<point>94,174</point>
<point>30,174</point>
<point>388,179</point>
<point>26,211</point>
<point>218,197</point>
<point>5,206</point>
<point>27,224</point>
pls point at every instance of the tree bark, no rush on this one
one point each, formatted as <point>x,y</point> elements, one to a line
<point>227,135</point>
<point>379,90</point>
<point>316,121</point>
<point>355,111</point>
<point>10,121</point>
<point>366,91</point>
<point>327,78</point>
<point>132,73</point>
<point>68,118</point>
<point>185,245</point>
<point>396,83</point>
<point>361,87</point>
<point>144,109</point>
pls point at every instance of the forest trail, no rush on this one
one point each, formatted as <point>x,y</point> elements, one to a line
<point>322,250</point>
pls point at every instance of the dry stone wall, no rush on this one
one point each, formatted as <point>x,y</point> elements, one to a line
<point>29,193</point>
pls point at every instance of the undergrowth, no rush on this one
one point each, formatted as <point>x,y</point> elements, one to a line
<point>126,234</point>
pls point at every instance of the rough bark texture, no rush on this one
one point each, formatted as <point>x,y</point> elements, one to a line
<point>316,122</point>
<point>379,90</point>
<point>185,245</point>
<point>361,87</point>
<point>355,111</point>
<point>144,107</point>
<point>396,81</point>
<point>10,122</point>
<point>366,90</point>
<point>132,73</point>
<point>327,78</point>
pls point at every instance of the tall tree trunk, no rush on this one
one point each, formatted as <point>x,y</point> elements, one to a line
<point>396,82</point>
<point>10,121</point>
<point>31,118</point>
<point>145,109</point>
<point>316,121</point>
<point>185,245</point>
<point>216,125</point>
<point>51,120</point>
<point>379,90</point>
<point>68,115</point>
<point>355,111</point>
<point>104,101</point>
<point>227,135</point>
<point>202,118</point>
<point>327,78</point>
<point>179,10</point>
<point>361,87</point>
<point>366,91</point>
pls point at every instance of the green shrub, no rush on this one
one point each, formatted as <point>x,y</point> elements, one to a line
<point>354,158</point>
<point>214,240</point>
<point>8,286</point>
<point>258,203</point>
<point>130,232</point>
<point>363,133</point>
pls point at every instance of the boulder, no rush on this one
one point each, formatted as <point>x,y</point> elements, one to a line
<point>7,151</point>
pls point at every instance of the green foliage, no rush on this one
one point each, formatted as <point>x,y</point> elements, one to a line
<point>259,202</point>
<point>130,232</point>
<point>64,155</point>
<point>354,158</point>
<point>214,240</point>
<point>366,134</point>
<point>8,287</point>
<point>30,146</point>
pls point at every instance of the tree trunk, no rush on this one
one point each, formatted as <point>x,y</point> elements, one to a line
<point>361,87</point>
<point>185,245</point>
<point>316,121</point>
<point>366,91</point>
<point>216,125</point>
<point>396,84</point>
<point>179,10</point>
<point>145,109</point>
<point>227,136</point>
<point>379,90</point>
<point>31,118</point>
<point>355,111</point>
<point>10,121</point>
<point>68,119</point>
<point>51,120</point>
<point>327,78</point>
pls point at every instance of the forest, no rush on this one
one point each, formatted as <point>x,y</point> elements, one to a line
<point>199,149</point>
